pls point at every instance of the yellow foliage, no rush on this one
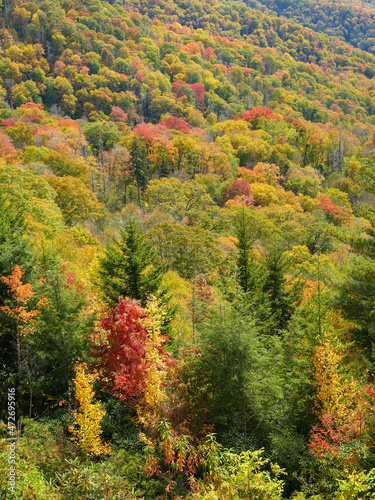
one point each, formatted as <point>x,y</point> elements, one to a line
<point>289,198</point>
<point>86,428</point>
<point>182,292</point>
<point>337,395</point>
<point>309,204</point>
<point>227,244</point>
<point>155,374</point>
<point>264,194</point>
<point>353,168</point>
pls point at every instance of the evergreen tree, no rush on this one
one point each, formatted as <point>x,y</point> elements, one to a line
<point>139,165</point>
<point>63,335</point>
<point>244,375</point>
<point>245,258</point>
<point>356,282</point>
<point>282,299</point>
<point>127,268</point>
<point>248,272</point>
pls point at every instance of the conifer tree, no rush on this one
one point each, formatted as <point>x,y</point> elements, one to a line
<point>139,165</point>
<point>127,268</point>
<point>281,298</point>
<point>247,271</point>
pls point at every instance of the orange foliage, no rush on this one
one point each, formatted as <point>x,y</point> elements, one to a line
<point>21,295</point>
<point>262,172</point>
<point>7,150</point>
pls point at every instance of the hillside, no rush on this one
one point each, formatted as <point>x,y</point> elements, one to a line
<point>345,19</point>
<point>187,270</point>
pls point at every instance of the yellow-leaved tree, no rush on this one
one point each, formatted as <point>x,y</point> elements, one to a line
<point>340,402</point>
<point>86,427</point>
<point>154,358</point>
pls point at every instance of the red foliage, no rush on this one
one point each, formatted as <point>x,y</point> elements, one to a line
<point>177,87</point>
<point>237,188</point>
<point>202,299</point>
<point>33,106</point>
<point>120,357</point>
<point>137,63</point>
<point>174,123</point>
<point>296,123</point>
<point>118,115</point>
<point>147,132</point>
<point>9,122</point>
<point>59,67</point>
<point>140,76</point>
<point>257,114</point>
<point>334,213</point>
<point>198,90</point>
<point>209,53</point>
<point>328,439</point>
<point>370,391</point>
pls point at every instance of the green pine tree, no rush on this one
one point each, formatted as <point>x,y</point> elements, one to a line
<point>139,165</point>
<point>128,267</point>
<point>246,269</point>
<point>282,299</point>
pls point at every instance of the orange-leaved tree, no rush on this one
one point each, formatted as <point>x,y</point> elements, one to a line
<point>23,315</point>
<point>340,403</point>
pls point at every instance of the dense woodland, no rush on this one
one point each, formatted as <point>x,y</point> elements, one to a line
<point>187,252</point>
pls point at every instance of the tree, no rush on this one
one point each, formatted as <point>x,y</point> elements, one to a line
<point>127,268</point>
<point>23,315</point>
<point>244,372</point>
<point>101,135</point>
<point>187,250</point>
<point>63,333</point>
<point>246,267</point>
<point>15,247</point>
<point>124,358</point>
<point>139,165</point>
<point>86,427</point>
<point>76,201</point>
<point>281,296</point>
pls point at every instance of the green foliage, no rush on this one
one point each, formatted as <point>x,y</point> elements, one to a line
<point>139,165</point>
<point>241,476</point>
<point>63,336</point>
<point>188,250</point>
<point>127,268</point>
<point>247,139</point>
<point>101,135</point>
<point>247,270</point>
<point>245,375</point>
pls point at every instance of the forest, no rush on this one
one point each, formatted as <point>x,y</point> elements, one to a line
<point>187,250</point>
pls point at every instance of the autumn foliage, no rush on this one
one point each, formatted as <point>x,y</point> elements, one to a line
<point>123,358</point>
<point>21,295</point>
<point>255,116</point>
<point>86,428</point>
<point>334,213</point>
